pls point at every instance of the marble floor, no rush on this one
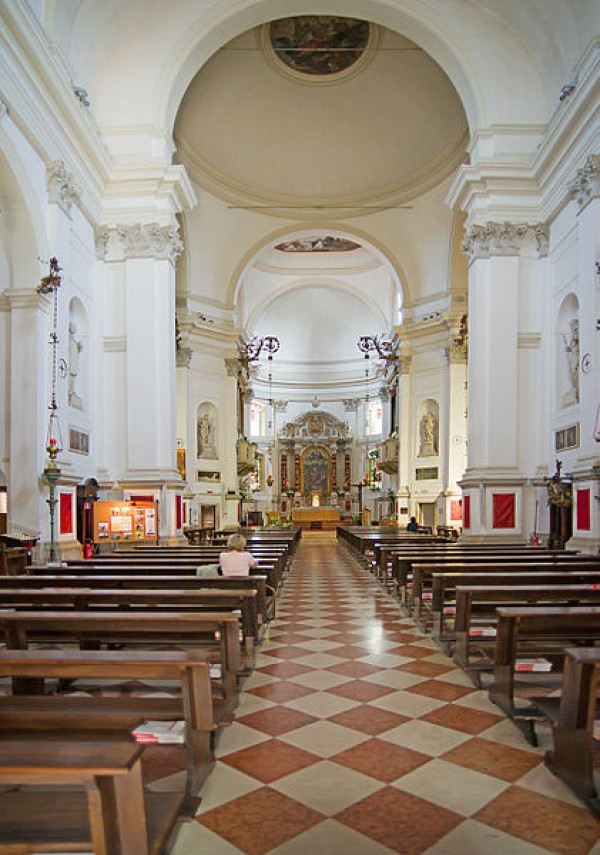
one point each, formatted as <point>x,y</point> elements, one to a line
<point>355,735</point>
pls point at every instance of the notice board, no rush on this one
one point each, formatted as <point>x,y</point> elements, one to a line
<point>125,522</point>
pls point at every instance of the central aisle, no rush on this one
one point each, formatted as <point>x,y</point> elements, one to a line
<point>357,736</point>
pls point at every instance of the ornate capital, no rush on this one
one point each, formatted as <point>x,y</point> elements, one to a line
<point>351,405</point>
<point>232,366</point>
<point>457,354</point>
<point>280,406</point>
<point>404,363</point>
<point>61,187</point>
<point>183,354</point>
<point>150,240</point>
<point>101,236</point>
<point>507,239</point>
<point>586,186</point>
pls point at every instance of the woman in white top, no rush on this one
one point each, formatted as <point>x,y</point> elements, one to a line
<point>236,561</point>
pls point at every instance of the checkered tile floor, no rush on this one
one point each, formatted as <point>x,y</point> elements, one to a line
<point>356,735</point>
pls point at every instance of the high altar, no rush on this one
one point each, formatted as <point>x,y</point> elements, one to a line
<point>315,461</point>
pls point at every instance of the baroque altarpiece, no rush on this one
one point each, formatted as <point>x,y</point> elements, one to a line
<point>315,456</point>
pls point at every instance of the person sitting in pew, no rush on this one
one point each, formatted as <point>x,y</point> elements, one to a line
<point>236,561</point>
<point>413,525</point>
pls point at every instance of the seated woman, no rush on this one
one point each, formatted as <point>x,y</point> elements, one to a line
<point>236,561</point>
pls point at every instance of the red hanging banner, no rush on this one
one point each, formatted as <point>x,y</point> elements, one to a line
<point>503,510</point>
<point>583,516</point>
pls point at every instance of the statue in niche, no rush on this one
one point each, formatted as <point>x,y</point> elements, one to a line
<point>571,342</point>
<point>427,431</point>
<point>206,437</point>
<point>75,348</point>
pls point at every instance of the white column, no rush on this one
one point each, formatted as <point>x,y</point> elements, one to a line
<point>498,407</point>
<point>405,429</point>
<point>145,255</point>
<point>28,413</point>
<point>453,441</point>
<point>585,189</point>
<point>229,421</point>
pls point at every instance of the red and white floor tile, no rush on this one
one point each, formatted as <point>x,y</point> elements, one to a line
<point>357,736</point>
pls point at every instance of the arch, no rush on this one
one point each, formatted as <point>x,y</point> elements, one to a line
<point>22,236</point>
<point>376,246</point>
<point>474,45</point>
<point>318,281</point>
<point>423,26</point>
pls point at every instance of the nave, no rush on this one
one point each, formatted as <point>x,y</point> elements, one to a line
<point>356,735</point>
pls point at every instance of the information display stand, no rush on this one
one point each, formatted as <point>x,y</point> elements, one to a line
<point>125,522</point>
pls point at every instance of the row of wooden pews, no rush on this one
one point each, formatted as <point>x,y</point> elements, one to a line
<point>139,618</point>
<point>524,622</point>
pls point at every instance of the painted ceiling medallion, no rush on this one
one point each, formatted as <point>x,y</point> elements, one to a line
<point>319,45</point>
<point>323,243</point>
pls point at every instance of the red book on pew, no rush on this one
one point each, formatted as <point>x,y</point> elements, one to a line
<point>483,631</point>
<point>536,664</point>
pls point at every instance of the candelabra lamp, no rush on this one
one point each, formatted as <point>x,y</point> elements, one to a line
<point>49,285</point>
<point>52,473</point>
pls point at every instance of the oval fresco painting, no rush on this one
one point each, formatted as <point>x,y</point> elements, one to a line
<point>319,45</point>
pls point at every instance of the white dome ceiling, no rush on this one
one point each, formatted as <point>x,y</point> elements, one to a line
<point>383,132</point>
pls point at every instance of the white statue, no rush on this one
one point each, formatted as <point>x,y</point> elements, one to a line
<point>75,348</point>
<point>571,342</point>
<point>427,430</point>
<point>206,437</point>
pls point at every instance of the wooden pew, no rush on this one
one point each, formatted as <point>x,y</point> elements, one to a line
<point>84,598</point>
<point>422,574</point>
<point>265,606</point>
<point>573,724</point>
<point>386,552</point>
<point>444,585</point>
<point>404,565</point>
<point>82,715</point>
<point>113,564</point>
<point>134,627</point>
<point>538,631</point>
<point>109,813</point>
<point>490,597</point>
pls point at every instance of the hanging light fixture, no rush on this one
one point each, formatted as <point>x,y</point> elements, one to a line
<point>50,285</point>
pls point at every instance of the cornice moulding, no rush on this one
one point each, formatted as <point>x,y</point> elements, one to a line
<point>114,344</point>
<point>374,264</point>
<point>170,186</point>
<point>529,341</point>
<point>26,298</point>
<point>236,194</point>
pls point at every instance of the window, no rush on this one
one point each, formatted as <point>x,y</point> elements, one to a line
<point>374,417</point>
<point>257,418</point>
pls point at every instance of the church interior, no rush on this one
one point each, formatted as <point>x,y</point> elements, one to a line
<point>320,277</point>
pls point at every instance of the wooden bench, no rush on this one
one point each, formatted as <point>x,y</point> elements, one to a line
<point>79,714</point>
<point>265,606</point>
<point>491,597</point>
<point>140,628</point>
<point>403,566</point>
<point>80,598</point>
<point>444,585</point>
<point>537,631</point>
<point>109,813</point>
<point>146,565</point>
<point>574,724</point>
